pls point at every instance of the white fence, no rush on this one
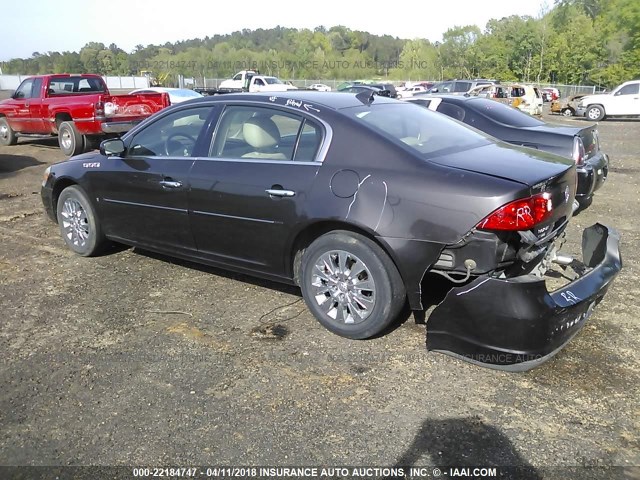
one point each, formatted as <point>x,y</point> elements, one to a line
<point>11,82</point>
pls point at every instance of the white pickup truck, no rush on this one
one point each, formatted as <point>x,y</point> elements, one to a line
<point>252,81</point>
<point>623,101</point>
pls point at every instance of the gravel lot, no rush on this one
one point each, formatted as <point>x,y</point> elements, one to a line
<point>137,359</point>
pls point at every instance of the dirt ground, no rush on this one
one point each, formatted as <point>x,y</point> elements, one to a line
<point>137,359</point>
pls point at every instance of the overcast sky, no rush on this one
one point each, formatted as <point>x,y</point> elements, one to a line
<point>42,25</point>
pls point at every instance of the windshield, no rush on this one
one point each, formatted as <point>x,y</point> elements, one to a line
<point>504,113</point>
<point>185,93</point>
<point>271,80</point>
<point>426,132</point>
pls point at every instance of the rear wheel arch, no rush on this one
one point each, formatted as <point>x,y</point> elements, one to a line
<point>312,232</point>
<point>62,117</point>
<point>351,285</point>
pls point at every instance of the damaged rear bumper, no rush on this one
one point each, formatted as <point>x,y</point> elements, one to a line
<point>515,324</point>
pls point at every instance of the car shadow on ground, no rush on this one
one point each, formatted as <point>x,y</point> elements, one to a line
<point>465,442</point>
<point>14,163</point>
<point>403,317</point>
<point>40,142</point>
<point>240,277</point>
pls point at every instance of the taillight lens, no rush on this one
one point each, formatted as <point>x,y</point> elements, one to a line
<point>578,151</point>
<point>99,109</point>
<point>522,214</point>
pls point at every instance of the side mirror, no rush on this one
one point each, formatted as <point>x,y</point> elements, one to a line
<point>112,147</point>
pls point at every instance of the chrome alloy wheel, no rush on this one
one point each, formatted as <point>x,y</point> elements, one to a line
<point>75,223</point>
<point>4,132</point>
<point>343,287</point>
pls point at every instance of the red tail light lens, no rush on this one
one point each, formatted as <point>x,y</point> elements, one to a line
<point>578,151</point>
<point>99,109</point>
<point>521,214</point>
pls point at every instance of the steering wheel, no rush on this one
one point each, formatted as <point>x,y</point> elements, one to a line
<point>172,146</point>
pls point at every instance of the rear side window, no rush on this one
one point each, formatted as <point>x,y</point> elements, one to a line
<point>451,110</point>
<point>503,113</point>
<point>265,134</point>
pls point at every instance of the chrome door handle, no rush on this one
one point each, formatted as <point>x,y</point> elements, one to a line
<point>170,184</point>
<point>280,193</point>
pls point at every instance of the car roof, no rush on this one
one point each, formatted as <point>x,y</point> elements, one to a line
<point>332,100</point>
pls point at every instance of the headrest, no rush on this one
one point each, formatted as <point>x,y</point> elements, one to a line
<point>261,132</point>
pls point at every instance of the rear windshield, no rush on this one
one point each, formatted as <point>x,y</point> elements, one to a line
<point>66,85</point>
<point>503,113</point>
<point>427,133</point>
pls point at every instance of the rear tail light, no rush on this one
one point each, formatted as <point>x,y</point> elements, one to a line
<point>99,109</point>
<point>522,214</point>
<point>578,151</point>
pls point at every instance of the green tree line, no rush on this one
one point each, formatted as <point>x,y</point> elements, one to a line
<point>575,42</point>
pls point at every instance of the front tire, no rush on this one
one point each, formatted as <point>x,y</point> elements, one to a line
<point>70,140</point>
<point>7,135</point>
<point>351,285</point>
<point>78,222</point>
<point>595,113</point>
<point>567,112</point>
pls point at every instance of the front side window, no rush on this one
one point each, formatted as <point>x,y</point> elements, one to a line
<point>24,90</point>
<point>631,89</point>
<point>173,135</point>
<point>265,134</point>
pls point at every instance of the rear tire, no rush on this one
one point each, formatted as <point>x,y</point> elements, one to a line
<point>595,113</point>
<point>567,112</point>
<point>70,140</point>
<point>351,285</point>
<point>78,222</point>
<point>7,135</point>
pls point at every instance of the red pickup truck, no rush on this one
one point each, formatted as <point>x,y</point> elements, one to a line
<point>77,108</point>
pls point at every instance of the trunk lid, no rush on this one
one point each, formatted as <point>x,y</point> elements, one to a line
<point>588,135</point>
<point>540,171</point>
<point>523,165</point>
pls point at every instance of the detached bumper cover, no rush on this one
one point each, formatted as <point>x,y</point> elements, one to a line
<point>516,324</point>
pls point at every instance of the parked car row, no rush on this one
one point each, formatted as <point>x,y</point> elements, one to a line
<point>361,201</point>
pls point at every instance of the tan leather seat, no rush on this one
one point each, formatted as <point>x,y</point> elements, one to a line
<point>263,135</point>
